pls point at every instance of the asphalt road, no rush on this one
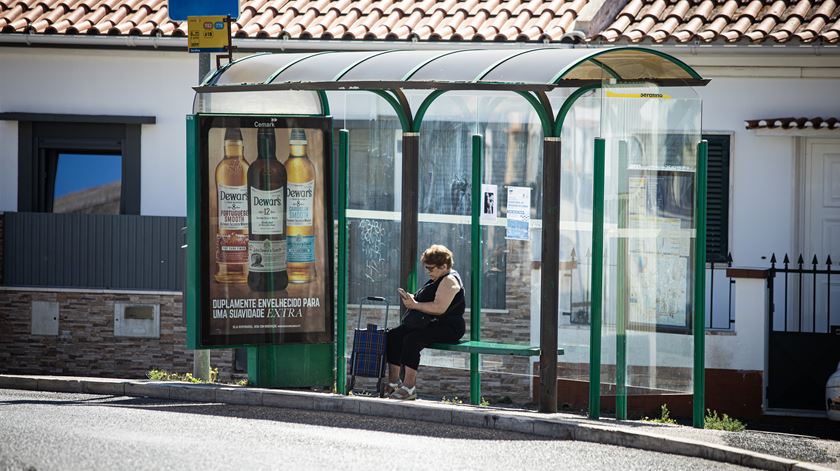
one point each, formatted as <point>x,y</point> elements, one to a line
<point>56,431</point>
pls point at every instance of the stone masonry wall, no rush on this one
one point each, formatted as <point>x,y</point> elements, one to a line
<point>86,345</point>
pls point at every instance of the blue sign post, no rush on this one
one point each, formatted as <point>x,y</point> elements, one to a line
<point>179,10</point>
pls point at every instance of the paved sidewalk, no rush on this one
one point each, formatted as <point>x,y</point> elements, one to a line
<point>754,449</point>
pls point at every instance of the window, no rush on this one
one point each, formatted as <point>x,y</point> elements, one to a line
<point>87,183</point>
<point>62,154</point>
<point>717,198</point>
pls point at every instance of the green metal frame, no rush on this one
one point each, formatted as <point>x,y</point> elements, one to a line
<point>475,249</point>
<point>193,293</point>
<point>341,295</point>
<point>597,281</point>
<point>699,321</point>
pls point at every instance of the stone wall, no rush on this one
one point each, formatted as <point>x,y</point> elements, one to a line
<point>86,344</point>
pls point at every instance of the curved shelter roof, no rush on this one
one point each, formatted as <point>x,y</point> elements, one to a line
<point>531,72</point>
<point>475,69</point>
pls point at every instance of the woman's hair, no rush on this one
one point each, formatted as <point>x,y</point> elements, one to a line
<point>438,255</point>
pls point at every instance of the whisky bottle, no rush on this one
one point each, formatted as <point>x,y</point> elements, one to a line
<point>266,224</point>
<point>301,195</point>
<point>232,203</point>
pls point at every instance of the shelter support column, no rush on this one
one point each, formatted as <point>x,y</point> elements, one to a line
<point>549,276</point>
<point>476,264</point>
<point>699,320</point>
<point>409,210</point>
<point>341,321</point>
<point>596,282</point>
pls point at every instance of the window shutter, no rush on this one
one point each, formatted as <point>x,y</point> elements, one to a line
<point>717,202</point>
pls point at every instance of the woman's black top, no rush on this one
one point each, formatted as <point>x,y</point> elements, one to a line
<point>455,311</point>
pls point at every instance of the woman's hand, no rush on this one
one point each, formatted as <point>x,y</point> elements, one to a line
<point>407,299</point>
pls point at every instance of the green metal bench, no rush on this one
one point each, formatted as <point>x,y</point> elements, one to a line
<point>491,348</point>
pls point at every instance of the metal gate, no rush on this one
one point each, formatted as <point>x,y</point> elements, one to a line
<point>804,343</point>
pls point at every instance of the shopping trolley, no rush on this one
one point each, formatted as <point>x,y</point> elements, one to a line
<point>368,355</point>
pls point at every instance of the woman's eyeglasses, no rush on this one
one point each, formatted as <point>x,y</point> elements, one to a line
<point>430,267</point>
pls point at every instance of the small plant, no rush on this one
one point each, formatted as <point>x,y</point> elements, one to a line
<point>664,416</point>
<point>484,402</point>
<point>242,382</point>
<point>452,400</point>
<point>163,375</point>
<point>724,422</point>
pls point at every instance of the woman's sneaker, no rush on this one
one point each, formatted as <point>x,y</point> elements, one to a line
<point>404,393</point>
<point>390,388</point>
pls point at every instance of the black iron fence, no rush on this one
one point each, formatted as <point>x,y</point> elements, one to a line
<point>800,295</point>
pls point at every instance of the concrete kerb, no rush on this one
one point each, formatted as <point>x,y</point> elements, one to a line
<point>462,415</point>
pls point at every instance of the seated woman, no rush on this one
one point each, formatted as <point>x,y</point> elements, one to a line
<point>443,298</point>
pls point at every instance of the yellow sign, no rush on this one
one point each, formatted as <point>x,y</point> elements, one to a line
<point>208,33</point>
<point>660,96</point>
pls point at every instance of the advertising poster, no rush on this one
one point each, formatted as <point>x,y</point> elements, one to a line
<point>266,268</point>
<point>489,200</point>
<point>659,252</point>
<point>518,213</point>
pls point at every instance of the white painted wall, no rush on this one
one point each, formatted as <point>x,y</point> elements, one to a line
<point>763,194</point>
<point>97,82</point>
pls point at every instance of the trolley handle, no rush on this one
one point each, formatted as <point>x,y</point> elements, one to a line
<point>380,299</point>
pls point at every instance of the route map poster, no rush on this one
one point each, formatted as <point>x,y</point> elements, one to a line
<point>266,231</point>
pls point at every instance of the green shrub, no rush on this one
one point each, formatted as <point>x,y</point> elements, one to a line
<point>664,416</point>
<point>724,422</point>
<point>163,375</point>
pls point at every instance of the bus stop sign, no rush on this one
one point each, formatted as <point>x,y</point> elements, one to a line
<point>179,10</point>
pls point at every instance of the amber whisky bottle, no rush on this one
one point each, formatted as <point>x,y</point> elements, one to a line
<point>299,210</point>
<point>232,206</point>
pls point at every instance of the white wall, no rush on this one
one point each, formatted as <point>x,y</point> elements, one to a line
<point>764,190</point>
<point>97,82</point>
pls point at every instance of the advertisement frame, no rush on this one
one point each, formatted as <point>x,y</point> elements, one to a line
<point>199,304</point>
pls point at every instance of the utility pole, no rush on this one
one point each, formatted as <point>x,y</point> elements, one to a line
<point>201,358</point>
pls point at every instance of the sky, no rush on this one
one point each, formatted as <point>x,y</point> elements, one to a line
<point>81,171</point>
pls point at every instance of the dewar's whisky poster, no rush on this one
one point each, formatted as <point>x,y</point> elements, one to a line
<point>266,274</point>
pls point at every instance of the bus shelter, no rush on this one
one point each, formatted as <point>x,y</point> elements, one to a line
<point>571,179</point>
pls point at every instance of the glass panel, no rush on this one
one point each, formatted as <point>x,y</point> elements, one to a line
<point>581,127</point>
<point>321,67</point>
<point>373,219</point>
<point>639,65</point>
<point>391,66</point>
<point>461,65</point>
<point>88,183</point>
<point>257,68</point>
<point>513,145</point>
<point>649,236</point>
<point>290,102</point>
<point>531,67</point>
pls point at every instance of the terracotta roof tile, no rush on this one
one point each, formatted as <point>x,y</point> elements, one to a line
<point>659,21</point>
<point>481,20</point>
<point>793,123</point>
<point>708,21</point>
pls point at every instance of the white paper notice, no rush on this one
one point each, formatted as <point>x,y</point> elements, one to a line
<point>518,213</point>
<point>489,199</point>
